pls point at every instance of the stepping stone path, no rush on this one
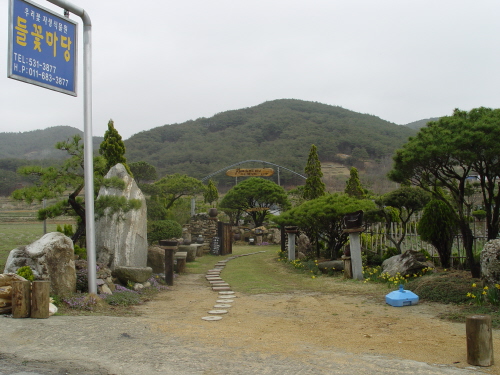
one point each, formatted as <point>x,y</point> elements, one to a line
<point>226,295</point>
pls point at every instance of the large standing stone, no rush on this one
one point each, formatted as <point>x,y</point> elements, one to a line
<point>50,258</point>
<point>408,263</point>
<point>490,262</point>
<point>121,238</point>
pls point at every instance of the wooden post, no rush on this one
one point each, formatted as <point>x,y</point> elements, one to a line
<point>169,266</point>
<point>347,267</point>
<point>21,299</point>
<point>479,340</point>
<point>40,299</point>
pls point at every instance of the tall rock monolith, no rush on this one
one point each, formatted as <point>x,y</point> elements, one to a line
<point>121,238</point>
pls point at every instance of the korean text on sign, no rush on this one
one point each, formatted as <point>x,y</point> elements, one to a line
<point>42,47</point>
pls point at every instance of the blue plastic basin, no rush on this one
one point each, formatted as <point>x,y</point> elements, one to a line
<point>401,297</point>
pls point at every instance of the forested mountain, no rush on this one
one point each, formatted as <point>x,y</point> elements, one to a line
<point>32,148</point>
<point>38,144</point>
<point>421,123</point>
<point>279,131</point>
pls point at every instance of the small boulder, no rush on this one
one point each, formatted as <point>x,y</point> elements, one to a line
<point>156,259</point>
<point>303,244</point>
<point>408,263</point>
<point>132,274</point>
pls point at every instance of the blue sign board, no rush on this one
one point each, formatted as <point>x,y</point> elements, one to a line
<point>42,47</point>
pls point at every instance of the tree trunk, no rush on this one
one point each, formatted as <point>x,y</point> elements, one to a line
<point>468,238</point>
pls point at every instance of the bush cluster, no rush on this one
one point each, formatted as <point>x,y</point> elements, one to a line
<point>163,230</point>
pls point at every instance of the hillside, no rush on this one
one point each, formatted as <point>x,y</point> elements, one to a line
<point>38,144</point>
<point>416,125</point>
<point>279,131</point>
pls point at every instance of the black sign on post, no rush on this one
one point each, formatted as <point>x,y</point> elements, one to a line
<point>215,246</point>
<point>353,220</point>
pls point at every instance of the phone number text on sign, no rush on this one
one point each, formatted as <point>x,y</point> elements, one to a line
<point>42,47</point>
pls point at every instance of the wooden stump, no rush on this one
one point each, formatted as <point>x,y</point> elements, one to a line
<point>347,267</point>
<point>40,299</point>
<point>21,299</point>
<point>169,266</point>
<point>479,340</point>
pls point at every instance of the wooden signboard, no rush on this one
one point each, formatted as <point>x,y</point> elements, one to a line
<point>239,172</point>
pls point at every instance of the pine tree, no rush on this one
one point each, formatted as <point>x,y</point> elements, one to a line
<point>211,194</point>
<point>113,148</point>
<point>314,187</point>
<point>353,186</point>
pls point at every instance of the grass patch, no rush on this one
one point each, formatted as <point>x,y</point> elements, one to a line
<point>443,287</point>
<point>264,273</point>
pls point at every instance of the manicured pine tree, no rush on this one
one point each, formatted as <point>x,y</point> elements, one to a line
<point>113,148</point>
<point>211,194</point>
<point>353,186</point>
<point>314,187</point>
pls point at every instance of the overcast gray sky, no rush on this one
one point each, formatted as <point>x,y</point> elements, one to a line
<point>164,62</point>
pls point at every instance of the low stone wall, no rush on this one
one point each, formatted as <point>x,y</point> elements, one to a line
<point>204,225</point>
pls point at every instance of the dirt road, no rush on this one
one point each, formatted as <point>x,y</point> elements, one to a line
<point>293,333</point>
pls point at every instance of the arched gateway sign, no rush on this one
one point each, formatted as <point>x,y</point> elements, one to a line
<point>244,170</point>
<point>249,161</point>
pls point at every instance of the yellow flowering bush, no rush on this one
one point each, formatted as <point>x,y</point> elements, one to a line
<point>375,274</point>
<point>485,295</point>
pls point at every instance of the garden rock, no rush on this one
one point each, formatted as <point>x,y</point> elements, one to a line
<point>190,250</point>
<point>121,238</point>
<point>303,244</point>
<point>275,236</point>
<point>490,262</point>
<point>132,274</point>
<point>332,265</point>
<point>104,289</point>
<point>50,258</point>
<point>103,276</point>
<point>409,262</point>
<point>156,259</point>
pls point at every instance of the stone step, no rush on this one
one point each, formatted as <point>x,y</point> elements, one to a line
<point>218,288</point>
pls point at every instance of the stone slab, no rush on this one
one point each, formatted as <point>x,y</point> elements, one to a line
<point>217,288</point>
<point>225,300</point>
<point>212,318</point>
<point>217,312</point>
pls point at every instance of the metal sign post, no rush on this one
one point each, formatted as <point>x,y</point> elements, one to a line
<point>50,50</point>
